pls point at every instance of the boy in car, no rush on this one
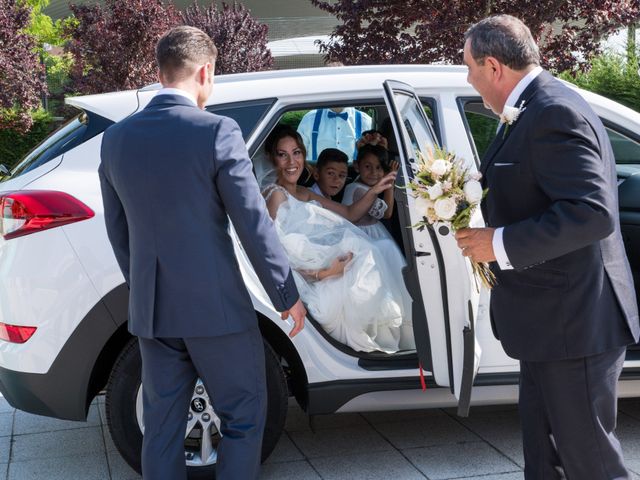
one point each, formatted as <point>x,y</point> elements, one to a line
<point>331,172</point>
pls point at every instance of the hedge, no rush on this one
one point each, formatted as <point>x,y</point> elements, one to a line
<point>14,145</point>
<point>612,78</point>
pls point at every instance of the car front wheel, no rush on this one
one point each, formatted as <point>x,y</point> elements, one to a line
<point>202,433</point>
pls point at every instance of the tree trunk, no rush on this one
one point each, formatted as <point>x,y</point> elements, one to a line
<point>487,8</point>
<point>632,53</point>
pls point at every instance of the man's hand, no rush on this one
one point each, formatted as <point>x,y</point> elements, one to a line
<point>297,312</point>
<point>476,243</point>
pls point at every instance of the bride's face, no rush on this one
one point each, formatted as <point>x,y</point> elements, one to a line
<point>289,160</point>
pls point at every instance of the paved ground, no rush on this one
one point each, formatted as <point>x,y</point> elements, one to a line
<point>406,445</point>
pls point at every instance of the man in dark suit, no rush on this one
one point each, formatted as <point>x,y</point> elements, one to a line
<point>564,303</point>
<point>170,176</point>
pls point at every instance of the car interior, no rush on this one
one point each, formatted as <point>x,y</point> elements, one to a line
<point>265,175</point>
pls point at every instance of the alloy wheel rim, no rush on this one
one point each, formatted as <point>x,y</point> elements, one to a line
<point>202,434</point>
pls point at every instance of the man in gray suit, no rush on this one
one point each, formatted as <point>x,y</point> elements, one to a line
<point>171,175</point>
<point>564,303</point>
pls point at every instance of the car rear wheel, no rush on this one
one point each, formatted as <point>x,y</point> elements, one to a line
<point>202,435</point>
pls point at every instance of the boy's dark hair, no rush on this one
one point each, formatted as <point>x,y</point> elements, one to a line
<point>331,155</point>
<point>378,151</point>
<point>371,132</point>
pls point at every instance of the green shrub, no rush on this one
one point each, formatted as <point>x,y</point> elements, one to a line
<point>611,77</point>
<point>14,146</point>
<point>293,118</point>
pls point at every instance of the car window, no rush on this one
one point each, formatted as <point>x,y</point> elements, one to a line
<point>375,111</point>
<point>418,132</point>
<point>481,123</point>
<point>429,105</point>
<point>246,114</point>
<point>625,149</point>
<point>371,116</point>
<point>77,131</point>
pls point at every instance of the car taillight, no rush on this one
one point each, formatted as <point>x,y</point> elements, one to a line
<point>31,211</point>
<point>15,333</point>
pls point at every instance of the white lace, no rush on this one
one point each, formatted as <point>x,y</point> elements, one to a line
<point>378,208</point>
<point>269,189</point>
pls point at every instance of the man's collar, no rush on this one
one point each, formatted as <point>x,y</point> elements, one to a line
<point>521,86</point>
<point>179,92</point>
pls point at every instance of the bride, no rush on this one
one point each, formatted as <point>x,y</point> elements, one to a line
<point>350,286</point>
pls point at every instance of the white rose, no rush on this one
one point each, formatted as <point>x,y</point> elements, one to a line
<point>439,167</point>
<point>445,208</point>
<point>435,191</point>
<point>509,115</point>
<point>473,191</point>
<point>422,205</point>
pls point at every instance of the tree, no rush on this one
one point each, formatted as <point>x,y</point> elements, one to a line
<point>21,73</point>
<point>113,47</point>
<point>428,31</point>
<point>240,39</point>
<point>47,34</point>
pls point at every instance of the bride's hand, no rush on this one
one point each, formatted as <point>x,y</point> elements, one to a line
<point>385,183</point>
<point>339,264</point>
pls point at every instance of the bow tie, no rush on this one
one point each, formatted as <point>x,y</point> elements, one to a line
<point>343,115</point>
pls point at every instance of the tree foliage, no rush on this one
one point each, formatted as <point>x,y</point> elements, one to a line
<point>113,47</point>
<point>21,73</point>
<point>428,31</point>
<point>613,77</point>
<point>42,27</point>
<point>240,39</point>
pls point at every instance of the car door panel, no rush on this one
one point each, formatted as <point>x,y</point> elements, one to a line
<point>446,282</point>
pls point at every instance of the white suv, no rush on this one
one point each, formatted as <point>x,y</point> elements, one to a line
<point>63,302</point>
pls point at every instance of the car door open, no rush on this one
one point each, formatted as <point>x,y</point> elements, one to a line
<point>444,322</point>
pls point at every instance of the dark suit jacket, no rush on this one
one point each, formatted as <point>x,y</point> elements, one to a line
<point>170,175</point>
<point>552,185</point>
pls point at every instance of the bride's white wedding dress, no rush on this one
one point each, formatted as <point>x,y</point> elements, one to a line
<point>365,307</point>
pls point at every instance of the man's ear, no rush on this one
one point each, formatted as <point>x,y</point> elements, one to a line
<point>495,66</point>
<point>211,68</point>
<point>316,174</point>
<point>202,76</point>
<point>355,167</point>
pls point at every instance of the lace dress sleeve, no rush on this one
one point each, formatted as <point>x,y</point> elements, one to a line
<point>377,209</point>
<point>269,189</point>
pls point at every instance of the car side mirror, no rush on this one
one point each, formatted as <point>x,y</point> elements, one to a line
<point>4,171</point>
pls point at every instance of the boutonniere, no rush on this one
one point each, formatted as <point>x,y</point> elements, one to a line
<point>509,115</point>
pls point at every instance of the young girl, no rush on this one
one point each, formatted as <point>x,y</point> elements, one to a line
<point>372,164</point>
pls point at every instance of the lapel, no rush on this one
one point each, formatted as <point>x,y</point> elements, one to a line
<point>168,100</point>
<point>501,138</point>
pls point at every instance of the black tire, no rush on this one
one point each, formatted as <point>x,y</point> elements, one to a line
<point>122,391</point>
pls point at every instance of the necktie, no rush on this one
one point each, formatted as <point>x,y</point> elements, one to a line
<point>344,115</point>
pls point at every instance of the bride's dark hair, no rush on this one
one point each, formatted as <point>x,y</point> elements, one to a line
<point>277,134</point>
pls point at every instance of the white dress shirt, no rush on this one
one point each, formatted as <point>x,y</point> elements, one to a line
<point>177,91</point>
<point>315,188</point>
<point>333,131</point>
<point>498,244</point>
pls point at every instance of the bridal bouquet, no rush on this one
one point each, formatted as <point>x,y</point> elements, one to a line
<point>447,192</point>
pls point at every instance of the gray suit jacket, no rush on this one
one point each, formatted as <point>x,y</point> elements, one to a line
<point>552,185</point>
<point>170,175</point>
